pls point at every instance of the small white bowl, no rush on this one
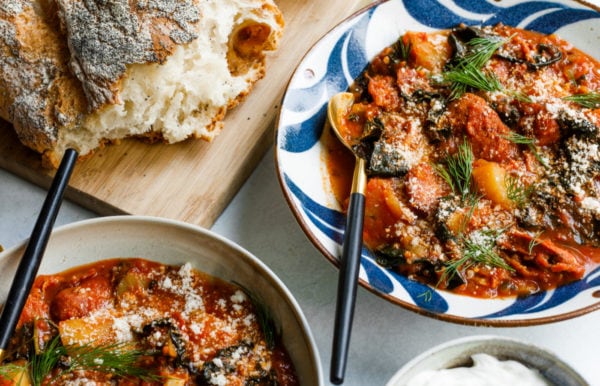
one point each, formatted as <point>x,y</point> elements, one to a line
<point>458,352</point>
<point>173,242</point>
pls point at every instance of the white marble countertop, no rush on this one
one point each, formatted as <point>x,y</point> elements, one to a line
<point>385,336</point>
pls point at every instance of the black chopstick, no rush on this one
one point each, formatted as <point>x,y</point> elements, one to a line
<point>349,272</point>
<point>30,262</point>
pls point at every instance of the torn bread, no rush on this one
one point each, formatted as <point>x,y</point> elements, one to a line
<point>80,73</point>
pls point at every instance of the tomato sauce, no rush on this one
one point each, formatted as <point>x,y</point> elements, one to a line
<point>484,175</point>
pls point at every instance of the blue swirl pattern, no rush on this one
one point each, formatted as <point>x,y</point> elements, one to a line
<point>343,56</point>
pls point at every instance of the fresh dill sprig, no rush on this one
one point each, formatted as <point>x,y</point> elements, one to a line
<point>472,200</point>
<point>401,50</point>
<point>534,241</point>
<point>519,138</point>
<point>427,296</point>
<point>467,75</point>
<point>530,142</point>
<point>482,251</point>
<point>519,96</point>
<point>516,191</point>
<point>467,72</point>
<point>458,170</point>
<point>477,248</point>
<point>118,359</point>
<point>482,49</point>
<point>42,364</point>
<point>590,100</point>
<point>263,316</point>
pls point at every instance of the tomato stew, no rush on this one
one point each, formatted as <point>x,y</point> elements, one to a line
<point>138,322</point>
<point>483,156</point>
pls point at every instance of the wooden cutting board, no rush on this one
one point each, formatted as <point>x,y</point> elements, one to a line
<point>191,181</point>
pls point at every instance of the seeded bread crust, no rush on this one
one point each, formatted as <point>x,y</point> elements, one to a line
<point>65,66</point>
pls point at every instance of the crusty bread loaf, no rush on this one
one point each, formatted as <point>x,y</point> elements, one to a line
<point>81,73</point>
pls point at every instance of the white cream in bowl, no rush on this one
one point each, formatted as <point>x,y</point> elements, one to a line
<point>486,360</point>
<point>487,370</point>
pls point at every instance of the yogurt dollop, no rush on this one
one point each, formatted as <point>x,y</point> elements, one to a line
<point>486,371</point>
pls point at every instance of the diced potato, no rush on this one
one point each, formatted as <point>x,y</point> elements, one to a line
<point>428,50</point>
<point>396,205</point>
<point>83,331</point>
<point>175,379</point>
<point>456,222</point>
<point>490,179</point>
<point>15,373</point>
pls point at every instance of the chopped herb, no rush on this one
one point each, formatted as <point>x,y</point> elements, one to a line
<point>477,248</point>
<point>458,170</point>
<point>590,100</point>
<point>482,49</point>
<point>118,359</point>
<point>472,202</point>
<point>353,117</point>
<point>427,296</point>
<point>42,364</point>
<point>516,191</point>
<point>523,140</point>
<point>467,71</point>
<point>263,316</point>
<point>534,241</point>
<point>520,96</point>
<point>468,75</point>
<point>401,50</point>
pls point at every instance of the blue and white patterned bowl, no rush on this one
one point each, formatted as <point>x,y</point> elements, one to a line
<point>331,65</point>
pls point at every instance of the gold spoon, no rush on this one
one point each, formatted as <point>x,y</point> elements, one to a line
<point>337,108</point>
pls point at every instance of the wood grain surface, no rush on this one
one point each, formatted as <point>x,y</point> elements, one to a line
<point>194,180</point>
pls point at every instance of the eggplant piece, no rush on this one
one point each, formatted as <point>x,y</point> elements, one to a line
<point>574,124</point>
<point>530,217</point>
<point>436,128</point>
<point>389,256</point>
<point>546,55</point>
<point>171,335</point>
<point>21,344</point>
<point>455,281</point>
<point>371,133</point>
<point>387,161</point>
<point>230,358</point>
<point>426,269</point>
<point>507,111</point>
<point>360,87</point>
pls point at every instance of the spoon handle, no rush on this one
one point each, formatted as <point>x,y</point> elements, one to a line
<point>30,262</point>
<point>348,280</point>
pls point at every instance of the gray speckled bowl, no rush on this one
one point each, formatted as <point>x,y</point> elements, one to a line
<point>174,242</point>
<point>458,352</point>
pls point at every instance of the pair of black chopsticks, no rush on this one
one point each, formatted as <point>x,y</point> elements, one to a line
<point>30,262</point>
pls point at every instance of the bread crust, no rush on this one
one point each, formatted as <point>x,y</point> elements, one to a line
<point>64,62</point>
